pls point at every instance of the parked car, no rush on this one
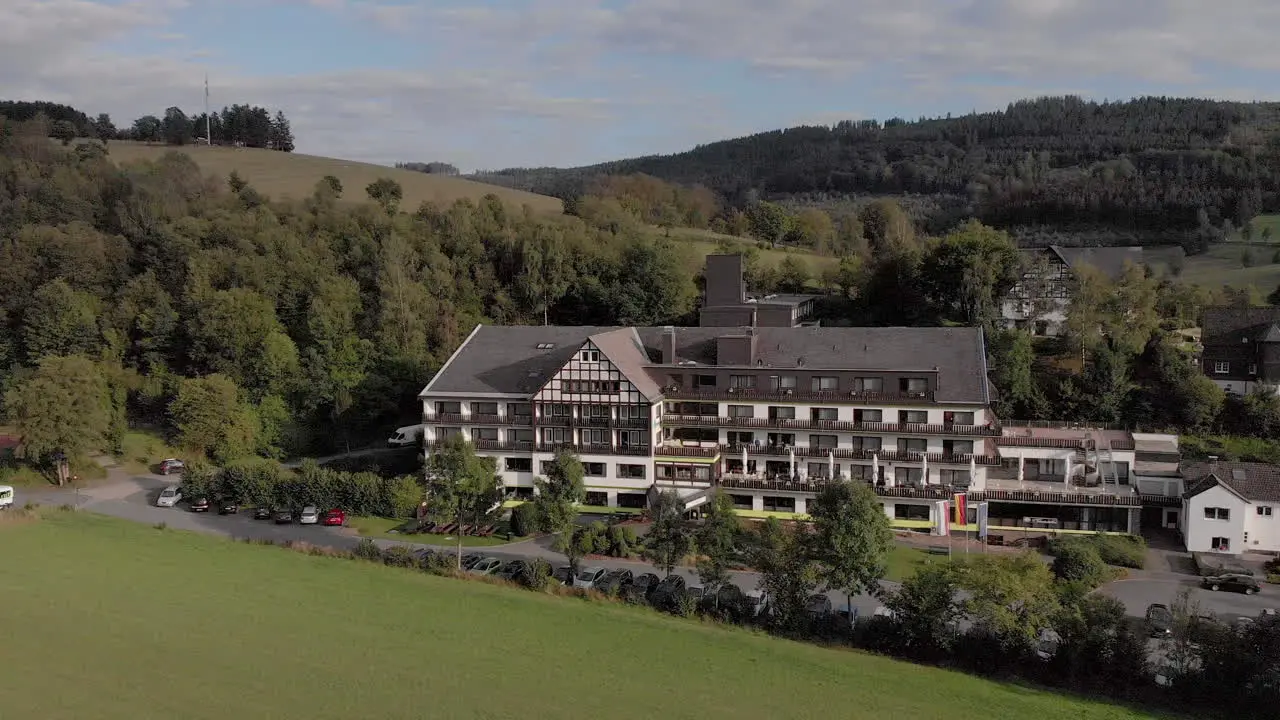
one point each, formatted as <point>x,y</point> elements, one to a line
<point>818,606</point>
<point>667,592</point>
<point>486,566</point>
<point>169,497</point>
<point>514,571</point>
<point>335,517</point>
<point>757,602</point>
<point>470,559</point>
<point>406,436</point>
<point>615,582</point>
<point>310,515</point>
<point>200,505</point>
<point>642,587</point>
<point>170,466</point>
<point>262,513</point>
<point>283,517</point>
<point>1159,620</point>
<point>6,496</point>
<point>883,612</point>
<point>228,507</point>
<point>1238,583</point>
<point>563,575</point>
<point>588,577</point>
<point>697,593</point>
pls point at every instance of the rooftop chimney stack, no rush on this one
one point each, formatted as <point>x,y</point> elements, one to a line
<point>669,345</point>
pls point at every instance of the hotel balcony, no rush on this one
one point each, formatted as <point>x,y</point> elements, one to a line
<point>528,420</point>
<point>793,396</point>
<point>830,425</point>
<point>531,447</point>
<point>892,456</point>
<point>460,419</point>
<point>732,481</point>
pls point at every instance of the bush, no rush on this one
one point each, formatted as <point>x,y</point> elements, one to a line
<point>1120,550</point>
<point>367,550</point>
<point>1079,562</point>
<point>622,539</point>
<point>438,563</point>
<point>524,519</point>
<point>538,576</point>
<point>1273,578</point>
<point>399,556</point>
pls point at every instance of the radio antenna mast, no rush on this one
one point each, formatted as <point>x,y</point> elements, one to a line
<point>208,134</point>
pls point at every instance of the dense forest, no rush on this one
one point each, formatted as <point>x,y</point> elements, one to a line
<point>243,324</point>
<point>1155,169</point>
<point>243,125</point>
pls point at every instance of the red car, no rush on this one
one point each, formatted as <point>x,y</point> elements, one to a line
<point>334,517</point>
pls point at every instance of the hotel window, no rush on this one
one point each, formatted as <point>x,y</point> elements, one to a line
<point>484,434</point>
<point>1264,510</point>
<point>704,381</point>
<point>782,439</point>
<point>957,478</point>
<point>445,433</point>
<point>782,382</point>
<point>1217,513</point>
<point>823,383</point>
<point>557,436</point>
<point>866,444</point>
<point>817,414</point>
<point>912,445</point>
<point>742,411</point>
<point>523,410</point>
<point>590,356</point>
<point>957,447</point>
<point>781,412</point>
<point>593,469</point>
<point>454,408</point>
<point>518,464</point>
<point>595,498</point>
<point>631,438</point>
<point>868,384</point>
<point>1220,544</point>
<point>633,412</point>
<point>957,418</point>
<point>1221,368</point>
<point>556,410</point>
<point>1253,369</point>
<point>913,385</point>
<point>744,382</point>
<point>595,437</point>
<point>917,417</point>
<point>635,472</point>
<point>484,408</point>
<point>824,442</point>
<point>860,472</point>
<point>868,416</point>
<point>520,436</point>
<point>817,470</point>
<point>779,504</point>
<point>599,412</point>
<point>907,476</point>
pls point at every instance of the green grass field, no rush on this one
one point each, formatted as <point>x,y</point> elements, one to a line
<point>109,619</point>
<point>1222,265</point>
<point>292,175</point>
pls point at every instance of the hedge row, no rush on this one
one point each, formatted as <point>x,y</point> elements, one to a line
<point>271,484</point>
<point>1129,551</point>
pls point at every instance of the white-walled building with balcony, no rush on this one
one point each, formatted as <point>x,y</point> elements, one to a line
<point>769,414</point>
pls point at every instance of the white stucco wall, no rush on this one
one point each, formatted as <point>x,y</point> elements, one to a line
<point>1199,531</point>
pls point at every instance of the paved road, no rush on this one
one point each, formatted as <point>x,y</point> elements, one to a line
<point>132,497</point>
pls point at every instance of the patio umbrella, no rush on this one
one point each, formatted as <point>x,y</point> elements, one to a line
<point>744,460</point>
<point>831,464</point>
<point>924,469</point>
<point>1067,481</point>
<point>875,467</point>
<point>791,453</point>
<point>973,468</point>
<point>1020,473</point>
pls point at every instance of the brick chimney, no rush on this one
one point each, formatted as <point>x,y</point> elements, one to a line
<point>669,345</point>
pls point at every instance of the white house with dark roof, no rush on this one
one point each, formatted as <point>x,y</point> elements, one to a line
<point>1231,507</point>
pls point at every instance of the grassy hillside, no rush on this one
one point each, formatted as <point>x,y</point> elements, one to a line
<point>282,175</point>
<point>108,619</point>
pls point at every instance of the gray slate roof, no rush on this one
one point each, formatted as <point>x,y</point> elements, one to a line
<point>1110,261</point>
<point>1256,482</point>
<point>1224,325</point>
<point>506,359</point>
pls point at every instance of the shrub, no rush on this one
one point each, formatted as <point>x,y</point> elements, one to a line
<point>367,550</point>
<point>599,534</point>
<point>524,519</point>
<point>621,539</point>
<point>399,556</point>
<point>1120,550</point>
<point>438,563</point>
<point>685,605</point>
<point>538,575</point>
<point>1273,578</point>
<point>1079,562</point>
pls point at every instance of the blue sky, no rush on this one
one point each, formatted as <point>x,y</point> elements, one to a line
<point>567,82</point>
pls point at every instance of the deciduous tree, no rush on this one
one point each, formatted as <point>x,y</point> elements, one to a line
<point>852,539</point>
<point>670,536</point>
<point>461,485</point>
<point>64,405</point>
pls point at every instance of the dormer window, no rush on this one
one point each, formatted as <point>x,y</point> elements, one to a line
<point>592,356</point>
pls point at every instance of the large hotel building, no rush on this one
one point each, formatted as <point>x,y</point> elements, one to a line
<point>770,413</point>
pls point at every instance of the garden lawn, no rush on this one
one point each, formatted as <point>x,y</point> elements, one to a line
<point>379,527</point>
<point>109,619</point>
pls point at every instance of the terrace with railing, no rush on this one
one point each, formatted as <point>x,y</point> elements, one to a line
<point>798,395</point>
<point>672,420</point>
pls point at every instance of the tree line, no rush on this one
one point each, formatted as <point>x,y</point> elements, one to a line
<point>239,125</point>
<point>1154,166</point>
<point>153,294</point>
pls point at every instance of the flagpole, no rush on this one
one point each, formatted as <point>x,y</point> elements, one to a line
<point>208,133</point>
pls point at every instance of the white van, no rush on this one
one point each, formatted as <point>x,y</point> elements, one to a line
<point>6,496</point>
<point>406,436</point>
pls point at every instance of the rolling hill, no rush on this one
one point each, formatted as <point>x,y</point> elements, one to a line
<point>281,175</point>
